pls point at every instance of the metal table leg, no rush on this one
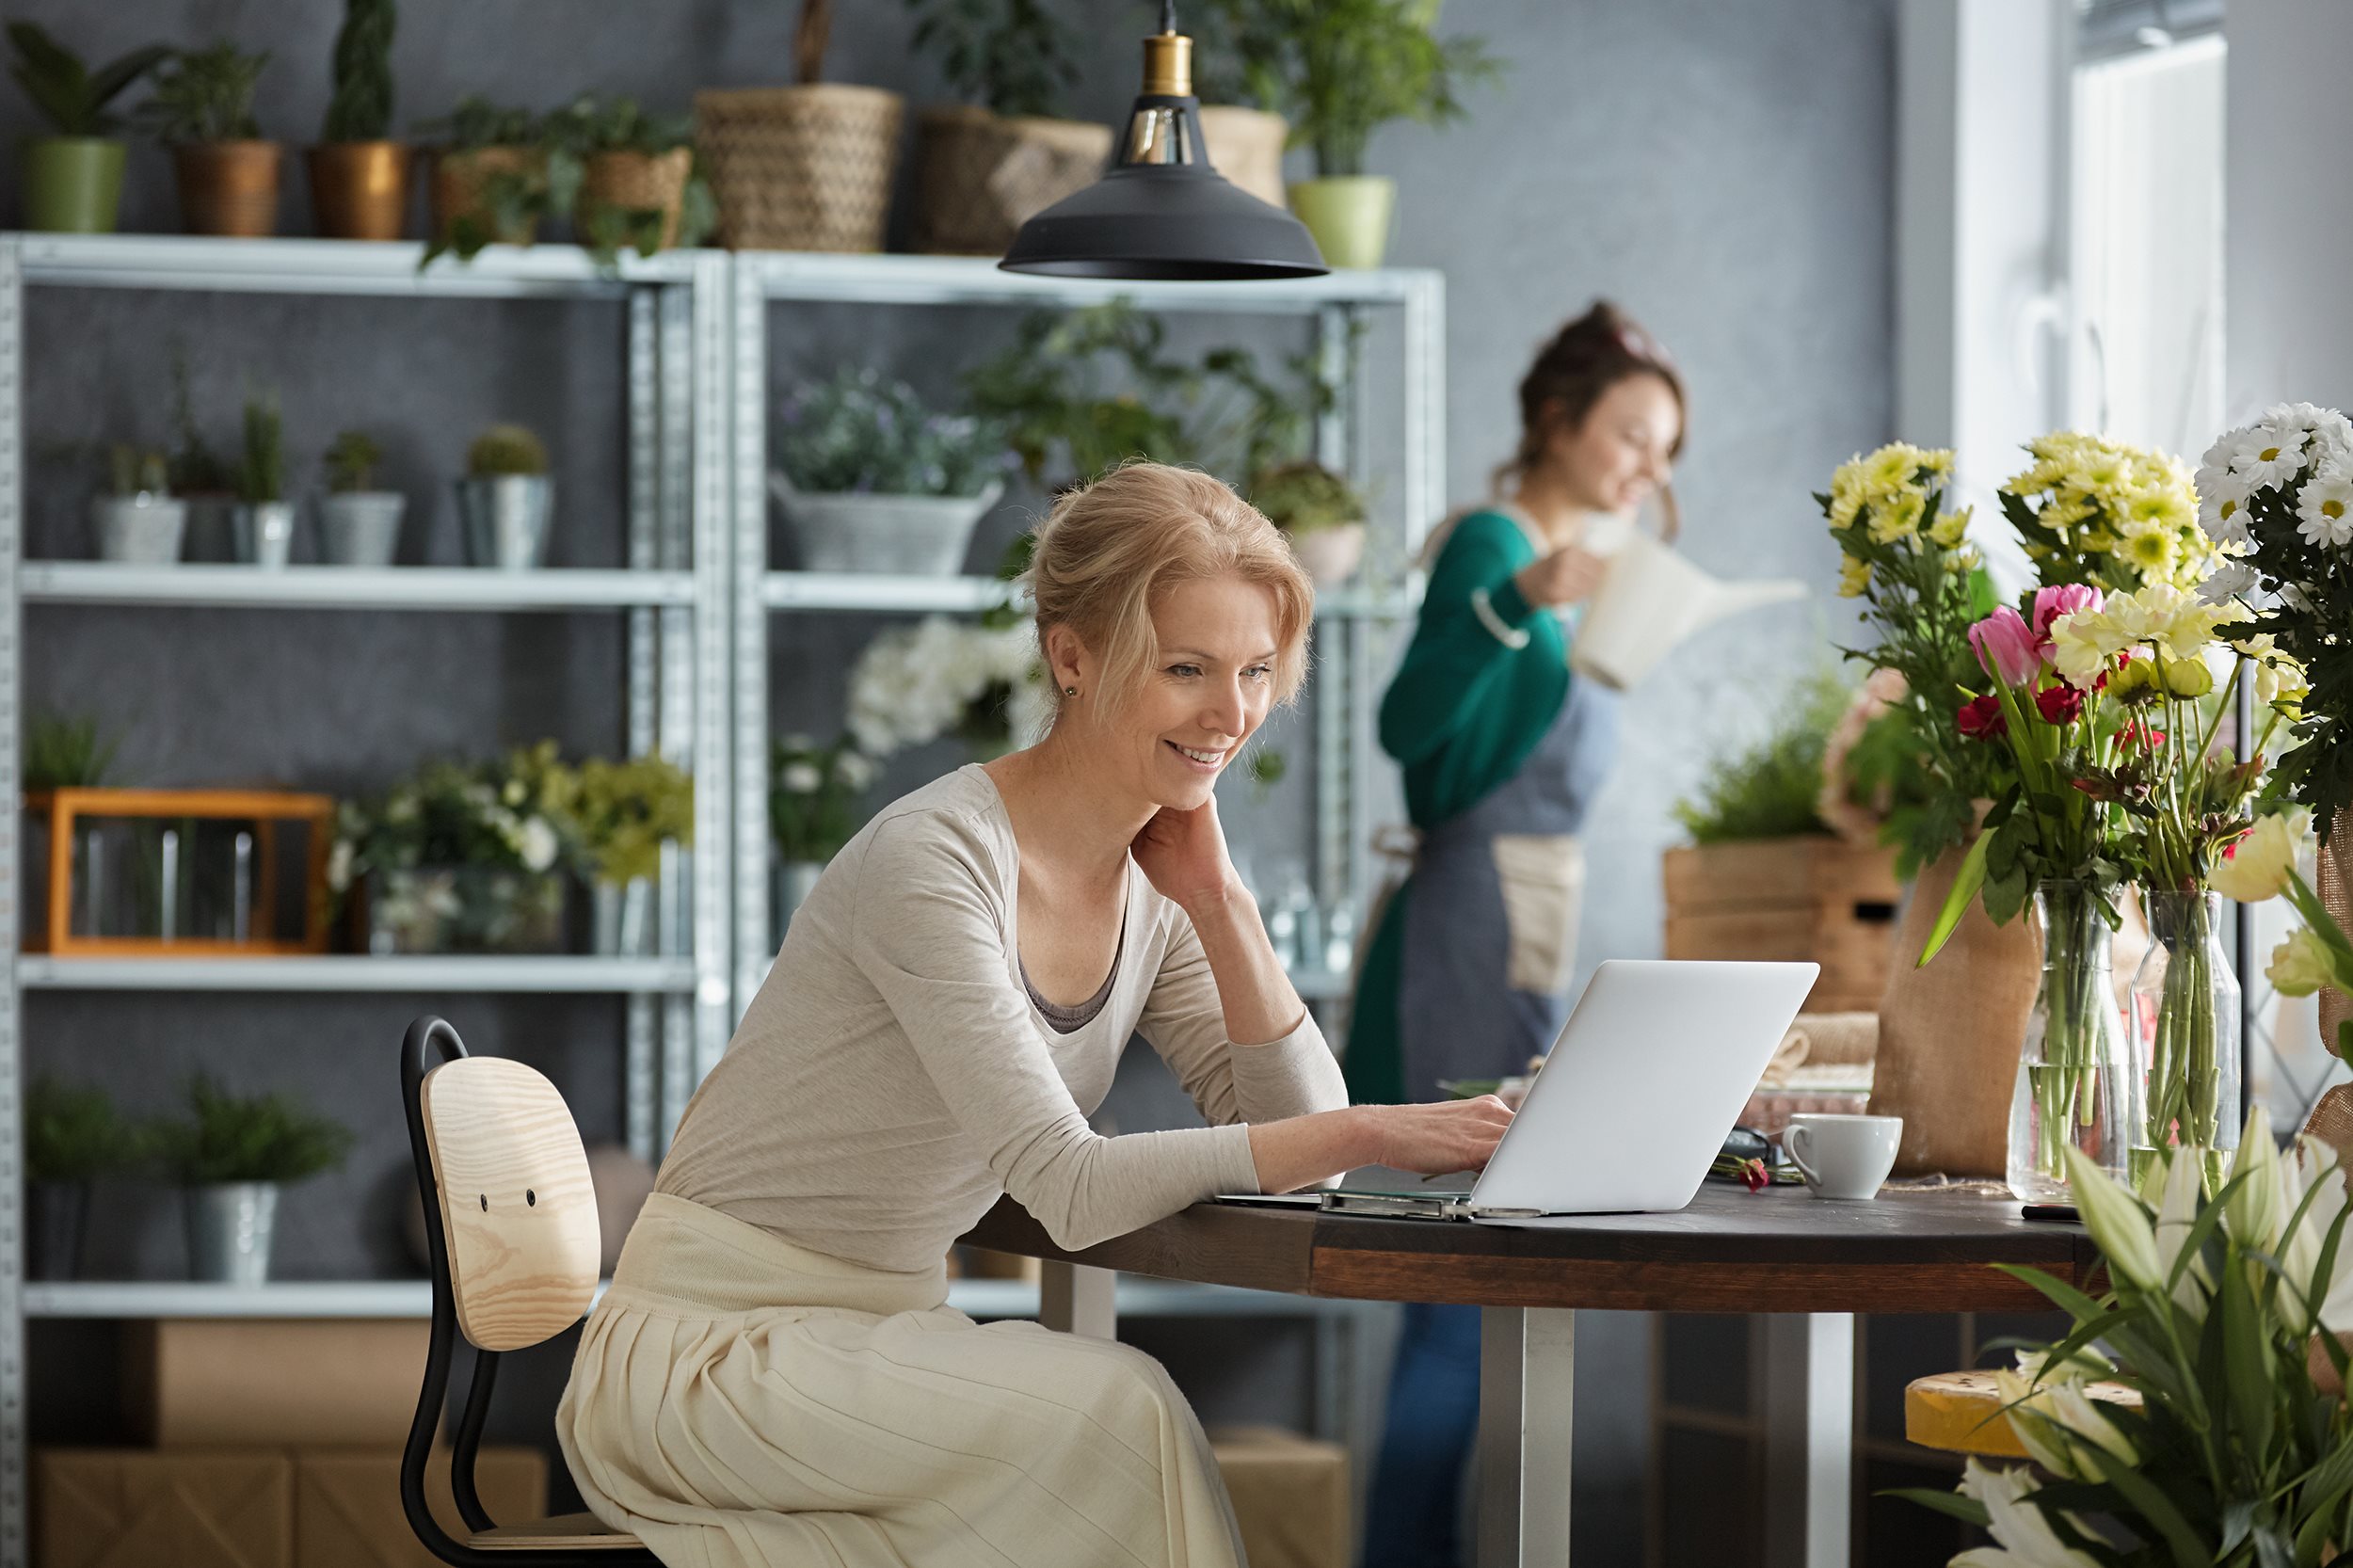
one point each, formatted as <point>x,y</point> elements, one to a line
<point>1079,1299</point>
<point>1809,1439</point>
<point>1527,1368</point>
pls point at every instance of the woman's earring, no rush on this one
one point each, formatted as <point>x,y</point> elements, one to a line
<point>1071,690</point>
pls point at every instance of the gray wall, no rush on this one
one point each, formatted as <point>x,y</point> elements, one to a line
<point>1723,171</point>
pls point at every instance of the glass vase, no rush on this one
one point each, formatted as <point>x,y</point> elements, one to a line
<point>2070,1070</point>
<point>2184,1023</point>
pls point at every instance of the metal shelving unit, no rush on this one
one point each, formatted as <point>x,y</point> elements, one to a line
<point>1353,626</point>
<point>673,590</point>
<point>697,591</point>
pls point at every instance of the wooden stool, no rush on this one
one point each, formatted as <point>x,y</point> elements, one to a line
<point>1962,1413</point>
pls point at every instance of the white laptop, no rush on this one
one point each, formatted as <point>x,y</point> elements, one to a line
<point>1649,1074</point>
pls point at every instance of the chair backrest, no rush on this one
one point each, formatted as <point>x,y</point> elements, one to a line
<point>515,1198</point>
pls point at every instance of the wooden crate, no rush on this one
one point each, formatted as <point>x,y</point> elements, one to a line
<point>1819,899</point>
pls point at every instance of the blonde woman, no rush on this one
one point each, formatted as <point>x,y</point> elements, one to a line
<point>773,1376</point>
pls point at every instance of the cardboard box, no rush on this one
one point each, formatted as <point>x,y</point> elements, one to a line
<point>1290,1496</point>
<point>274,1382</point>
<point>130,1508</point>
<point>346,1504</point>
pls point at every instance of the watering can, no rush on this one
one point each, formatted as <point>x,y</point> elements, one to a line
<point>1650,597</point>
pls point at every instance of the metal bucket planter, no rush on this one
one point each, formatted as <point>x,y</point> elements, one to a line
<point>362,528</point>
<point>917,535</point>
<point>360,189</point>
<point>261,534</point>
<point>139,530</point>
<point>504,519</point>
<point>230,1227</point>
<point>54,1216</point>
<point>72,185</point>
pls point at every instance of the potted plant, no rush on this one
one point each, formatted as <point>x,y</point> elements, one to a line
<point>636,184</point>
<point>1243,134</point>
<point>506,498</point>
<point>359,524</point>
<point>1320,512</point>
<point>359,177</point>
<point>813,794</point>
<point>460,858</point>
<point>621,814</point>
<point>137,520</point>
<point>490,179</point>
<point>1341,69</point>
<point>802,168</point>
<point>984,165</point>
<point>874,481</point>
<point>203,109</point>
<point>232,1154</point>
<point>68,752</point>
<point>73,180</point>
<point>72,1136</point>
<point>261,527</point>
<point>1079,391</point>
<point>980,682</point>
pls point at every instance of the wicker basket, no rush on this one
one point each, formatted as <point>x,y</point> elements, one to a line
<point>636,181</point>
<point>456,187</point>
<point>800,169</point>
<point>1246,146</point>
<point>980,177</point>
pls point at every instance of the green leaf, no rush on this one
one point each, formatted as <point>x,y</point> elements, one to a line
<point>1965,884</point>
<point>1967,1510</point>
<point>2154,1506</point>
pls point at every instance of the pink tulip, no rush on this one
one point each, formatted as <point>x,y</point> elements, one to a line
<point>2051,603</point>
<point>2006,647</point>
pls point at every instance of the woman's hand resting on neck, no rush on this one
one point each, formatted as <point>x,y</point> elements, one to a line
<point>1183,854</point>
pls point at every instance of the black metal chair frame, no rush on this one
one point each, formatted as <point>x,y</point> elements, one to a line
<point>425,1036</point>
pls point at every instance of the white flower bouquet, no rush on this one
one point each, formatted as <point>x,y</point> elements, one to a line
<point>2276,498</point>
<point>914,684</point>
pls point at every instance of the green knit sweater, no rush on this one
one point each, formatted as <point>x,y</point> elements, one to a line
<point>1464,713</point>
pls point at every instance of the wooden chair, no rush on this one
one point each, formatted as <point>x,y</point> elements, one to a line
<point>510,1223</point>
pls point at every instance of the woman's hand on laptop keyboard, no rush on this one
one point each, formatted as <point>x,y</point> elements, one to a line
<point>1450,1135</point>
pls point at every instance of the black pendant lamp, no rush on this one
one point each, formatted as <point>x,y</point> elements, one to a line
<point>1162,211</point>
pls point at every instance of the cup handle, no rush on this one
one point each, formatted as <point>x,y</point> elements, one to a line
<point>1789,1141</point>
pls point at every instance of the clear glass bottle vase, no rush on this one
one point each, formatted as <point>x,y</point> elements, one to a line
<point>2185,1027</point>
<point>2070,1070</point>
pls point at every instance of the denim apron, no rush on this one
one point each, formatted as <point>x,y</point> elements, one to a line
<point>1491,927</point>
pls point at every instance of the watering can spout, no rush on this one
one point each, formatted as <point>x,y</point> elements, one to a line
<point>1729,599</point>
<point>1651,598</point>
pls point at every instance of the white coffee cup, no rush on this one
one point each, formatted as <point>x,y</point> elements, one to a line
<point>1841,1156</point>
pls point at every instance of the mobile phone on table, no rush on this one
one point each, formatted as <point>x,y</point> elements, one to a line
<point>2062,1214</point>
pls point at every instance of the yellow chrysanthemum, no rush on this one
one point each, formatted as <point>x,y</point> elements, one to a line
<point>1948,530</point>
<point>1853,577</point>
<point>1897,517</point>
<point>1891,468</point>
<point>2152,551</point>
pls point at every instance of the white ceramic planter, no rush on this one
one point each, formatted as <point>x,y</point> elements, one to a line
<point>1332,554</point>
<point>915,535</point>
<point>361,528</point>
<point>262,533</point>
<point>140,530</point>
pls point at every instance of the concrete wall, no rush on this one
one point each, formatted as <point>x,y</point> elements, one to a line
<point>1723,171</point>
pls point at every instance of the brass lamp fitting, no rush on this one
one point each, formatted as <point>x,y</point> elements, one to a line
<point>1168,65</point>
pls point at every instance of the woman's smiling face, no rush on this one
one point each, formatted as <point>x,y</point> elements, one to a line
<point>1625,449</point>
<point>1206,690</point>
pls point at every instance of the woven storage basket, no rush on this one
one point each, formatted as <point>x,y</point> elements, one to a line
<point>800,169</point>
<point>1246,146</point>
<point>636,181</point>
<point>980,177</point>
<point>459,176</point>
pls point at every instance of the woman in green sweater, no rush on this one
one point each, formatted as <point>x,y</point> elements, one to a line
<point>1504,752</point>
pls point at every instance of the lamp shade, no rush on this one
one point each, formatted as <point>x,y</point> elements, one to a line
<point>1164,220</point>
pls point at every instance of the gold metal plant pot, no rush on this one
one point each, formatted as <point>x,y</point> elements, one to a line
<point>360,189</point>
<point>228,187</point>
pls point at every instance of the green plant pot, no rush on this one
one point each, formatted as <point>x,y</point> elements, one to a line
<point>1349,215</point>
<point>72,185</point>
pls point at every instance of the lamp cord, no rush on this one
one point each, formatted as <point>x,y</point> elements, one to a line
<point>1168,16</point>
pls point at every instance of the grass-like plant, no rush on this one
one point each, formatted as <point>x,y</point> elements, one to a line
<point>136,471</point>
<point>361,107</point>
<point>231,1137</point>
<point>71,95</point>
<point>73,1133</point>
<point>66,751</point>
<point>205,95</point>
<point>1772,789</point>
<point>261,472</point>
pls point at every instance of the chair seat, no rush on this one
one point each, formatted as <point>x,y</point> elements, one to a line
<point>1959,1412</point>
<point>572,1533</point>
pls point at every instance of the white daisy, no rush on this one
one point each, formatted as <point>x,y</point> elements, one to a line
<point>2268,457</point>
<point>2222,504</point>
<point>2325,508</point>
<point>2229,581</point>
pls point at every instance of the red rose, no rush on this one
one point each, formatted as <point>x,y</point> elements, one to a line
<point>2059,704</point>
<point>2140,735</point>
<point>1981,719</point>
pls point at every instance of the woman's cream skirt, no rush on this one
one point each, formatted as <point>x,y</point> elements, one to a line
<point>739,1401</point>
